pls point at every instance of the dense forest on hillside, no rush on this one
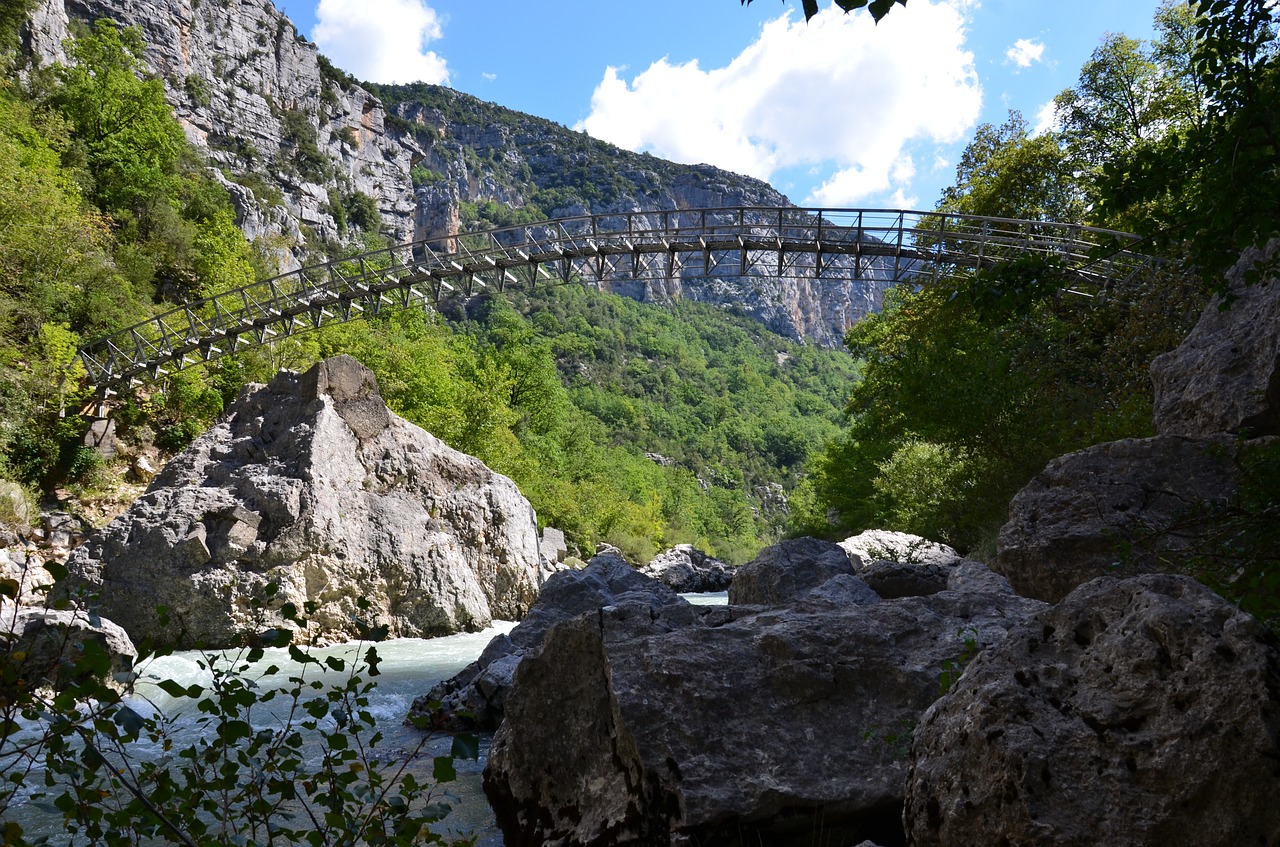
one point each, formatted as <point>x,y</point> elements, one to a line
<point>109,219</point>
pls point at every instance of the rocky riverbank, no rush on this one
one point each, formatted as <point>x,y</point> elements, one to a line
<point>858,691</point>
<point>883,689</point>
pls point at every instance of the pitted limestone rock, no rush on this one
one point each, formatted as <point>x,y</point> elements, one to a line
<point>303,486</point>
<point>1225,376</point>
<point>1136,712</point>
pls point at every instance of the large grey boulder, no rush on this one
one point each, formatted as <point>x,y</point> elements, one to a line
<point>1134,713</point>
<point>52,644</point>
<point>899,564</point>
<point>635,725</point>
<point>311,484</point>
<point>787,570</point>
<point>1225,376</point>
<point>882,545</point>
<point>1116,509</point>
<point>476,696</point>
<point>686,569</point>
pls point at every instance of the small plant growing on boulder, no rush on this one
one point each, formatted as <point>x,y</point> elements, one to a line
<point>952,669</point>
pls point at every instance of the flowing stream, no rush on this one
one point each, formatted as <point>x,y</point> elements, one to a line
<point>408,669</point>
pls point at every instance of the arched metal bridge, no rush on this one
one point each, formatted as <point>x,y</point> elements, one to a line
<point>607,250</point>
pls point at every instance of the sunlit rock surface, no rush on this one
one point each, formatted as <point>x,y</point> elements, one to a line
<point>310,483</point>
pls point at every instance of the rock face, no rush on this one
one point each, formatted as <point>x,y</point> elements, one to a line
<point>786,571</point>
<point>1120,509</point>
<point>636,724</point>
<point>1144,505</point>
<point>250,90</point>
<point>1225,377</point>
<point>901,579</point>
<point>686,569</point>
<point>476,696</point>
<point>1136,712</point>
<point>24,568</point>
<point>309,483</point>
<point>879,545</point>
<point>253,93</point>
<point>890,564</point>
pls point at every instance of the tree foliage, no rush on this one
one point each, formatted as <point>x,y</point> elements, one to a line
<point>104,209</point>
<point>119,118</point>
<point>1207,183</point>
<point>972,385</point>
<point>1005,172</point>
<point>877,8</point>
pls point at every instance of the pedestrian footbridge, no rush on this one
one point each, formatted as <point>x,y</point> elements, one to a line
<point>609,251</point>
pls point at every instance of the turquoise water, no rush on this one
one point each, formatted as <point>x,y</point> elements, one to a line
<point>409,667</point>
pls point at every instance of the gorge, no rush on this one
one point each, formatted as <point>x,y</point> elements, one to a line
<point>1097,664</point>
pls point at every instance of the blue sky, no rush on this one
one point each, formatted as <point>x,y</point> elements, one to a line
<point>836,112</point>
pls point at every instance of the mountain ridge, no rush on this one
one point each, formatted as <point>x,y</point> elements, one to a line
<point>319,164</point>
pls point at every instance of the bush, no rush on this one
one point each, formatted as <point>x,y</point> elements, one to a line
<point>918,484</point>
<point>299,133</point>
<point>18,505</point>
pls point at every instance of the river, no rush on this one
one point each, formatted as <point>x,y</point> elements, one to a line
<point>409,667</point>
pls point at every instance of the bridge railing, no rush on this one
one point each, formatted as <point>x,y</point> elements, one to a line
<point>817,245</point>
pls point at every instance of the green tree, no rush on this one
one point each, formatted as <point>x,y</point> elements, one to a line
<point>1008,173</point>
<point>1208,185</point>
<point>129,137</point>
<point>1131,95</point>
<point>55,253</point>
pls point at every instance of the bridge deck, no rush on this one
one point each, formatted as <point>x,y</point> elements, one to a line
<point>819,245</point>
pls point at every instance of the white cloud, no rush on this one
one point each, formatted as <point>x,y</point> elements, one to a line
<point>381,40</point>
<point>839,90</point>
<point>488,77</point>
<point>1025,52</point>
<point>1046,119</point>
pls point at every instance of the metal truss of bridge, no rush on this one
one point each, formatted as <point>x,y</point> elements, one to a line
<point>613,251</point>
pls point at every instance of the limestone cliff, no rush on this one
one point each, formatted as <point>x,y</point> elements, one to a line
<point>296,138</point>
<point>397,531</point>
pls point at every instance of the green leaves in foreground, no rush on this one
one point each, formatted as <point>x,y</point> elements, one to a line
<point>877,8</point>
<point>248,757</point>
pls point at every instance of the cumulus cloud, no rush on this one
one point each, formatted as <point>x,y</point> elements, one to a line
<point>381,40</point>
<point>1046,118</point>
<point>839,90</point>
<point>1025,52</point>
